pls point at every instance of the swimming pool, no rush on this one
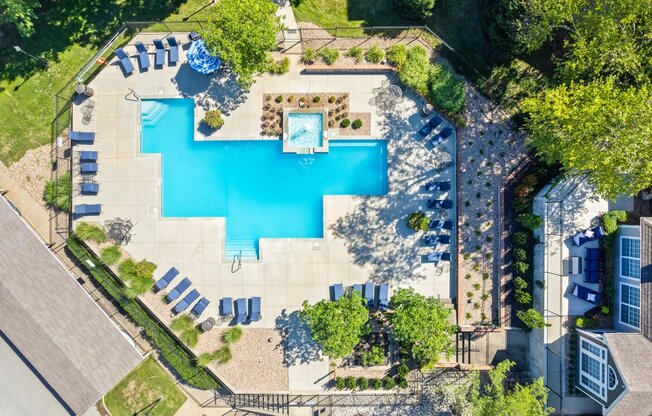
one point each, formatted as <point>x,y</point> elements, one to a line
<point>305,130</point>
<point>262,192</point>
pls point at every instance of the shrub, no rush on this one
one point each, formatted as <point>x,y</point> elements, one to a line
<point>374,54</point>
<point>445,89</point>
<point>530,221</point>
<point>182,323</point>
<point>138,286</point>
<point>415,70</point>
<point>278,99</point>
<point>57,193</point>
<point>329,55</point>
<point>402,382</point>
<point>110,255</point>
<point>357,123</point>
<point>375,356</point>
<point>355,52</point>
<point>531,318</point>
<point>420,9</point>
<point>331,99</point>
<point>376,383</point>
<point>389,383</point>
<point>223,355</point>
<point>189,333</point>
<point>309,56</point>
<point>520,239</point>
<point>90,232</point>
<point>340,383</point>
<point>345,123</point>
<point>611,219</point>
<point>520,254</point>
<point>363,383</point>
<point>605,310</point>
<point>350,382</point>
<point>280,67</point>
<point>402,370</point>
<point>290,98</point>
<point>213,119</point>
<point>417,221</point>
<point>520,283</point>
<point>522,296</point>
<point>232,335</point>
<point>397,55</point>
<point>521,267</point>
<point>144,269</point>
<point>316,99</point>
<point>126,269</point>
<point>582,322</point>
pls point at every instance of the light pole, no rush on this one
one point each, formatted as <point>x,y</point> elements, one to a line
<point>42,61</point>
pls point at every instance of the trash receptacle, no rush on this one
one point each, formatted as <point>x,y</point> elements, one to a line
<point>84,90</point>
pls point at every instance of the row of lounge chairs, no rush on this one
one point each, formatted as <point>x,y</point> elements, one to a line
<point>87,166</point>
<point>241,315</point>
<point>143,56</point>
<point>375,298</point>
<point>178,290</point>
<point>433,124</point>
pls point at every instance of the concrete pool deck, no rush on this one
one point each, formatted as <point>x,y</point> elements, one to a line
<point>365,238</point>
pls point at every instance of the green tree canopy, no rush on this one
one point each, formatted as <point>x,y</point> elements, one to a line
<point>337,326</point>
<point>598,128</point>
<point>421,325</point>
<point>242,32</point>
<point>19,12</point>
<point>420,9</point>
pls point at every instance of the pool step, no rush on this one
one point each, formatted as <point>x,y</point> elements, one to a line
<point>248,249</point>
<point>152,112</point>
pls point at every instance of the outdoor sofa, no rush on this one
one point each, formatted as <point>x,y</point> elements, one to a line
<point>592,266</point>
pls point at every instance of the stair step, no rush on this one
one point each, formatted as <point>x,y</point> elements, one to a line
<point>247,249</point>
<point>152,112</point>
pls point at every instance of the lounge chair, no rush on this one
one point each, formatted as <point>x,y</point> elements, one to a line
<point>586,294</point>
<point>199,308</point>
<point>443,135</point>
<point>441,225</point>
<point>589,235</point>
<point>227,306</point>
<point>166,279</point>
<point>88,156</point>
<point>383,297</point>
<point>254,310</point>
<point>592,267</point>
<point>338,291</point>
<point>433,240</point>
<point>81,137</point>
<point>186,301</point>
<point>369,294</point>
<point>179,289</point>
<point>88,209</point>
<point>358,288</point>
<point>438,186</point>
<point>432,124</point>
<point>125,61</point>
<point>143,57</point>
<point>88,168</point>
<point>440,204</point>
<point>174,50</point>
<point>436,257</point>
<point>159,58</point>
<point>240,310</point>
<point>90,188</point>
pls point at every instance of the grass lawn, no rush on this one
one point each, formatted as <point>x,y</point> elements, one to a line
<point>68,33</point>
<point>142,388</point>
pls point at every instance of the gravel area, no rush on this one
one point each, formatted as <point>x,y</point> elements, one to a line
<point>32,171</point>
<point>489,148</point>
<point>365,130</point>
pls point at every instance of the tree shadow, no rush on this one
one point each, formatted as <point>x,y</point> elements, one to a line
<point>298,345</point>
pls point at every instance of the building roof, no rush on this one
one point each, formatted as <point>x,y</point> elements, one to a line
<point>53,322</point>
<point>632,352</point>
<point>646,277</point>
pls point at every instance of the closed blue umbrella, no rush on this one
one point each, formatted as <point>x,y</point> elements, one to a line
<point>201,60</point>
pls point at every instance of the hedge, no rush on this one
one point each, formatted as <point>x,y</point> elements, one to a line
<point>175,354</point>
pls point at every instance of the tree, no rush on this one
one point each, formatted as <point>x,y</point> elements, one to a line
<point>421,8</point>
<point>596,128</point>
<point>532,319</point>
<point>242,32</point>
<point>19,12</point>
<point>421,326</point>
<point>337,326</point>
<point>417,221</point>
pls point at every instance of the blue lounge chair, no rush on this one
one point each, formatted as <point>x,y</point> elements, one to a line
<point>88,156</point>
<point>90,188</point>
<point>143,57</point>
<point>164,281</point>
<point>87,168</point>
<point>88,209</point>
<point>240,310</point>
<point>254,310</point>
<point>383,297</point>
<point>595,233</point>
<point>81,137</point>
<point>433,240</point>
<point>186,301</point>
<point>199,308</point>
<point>174,50</point>
<point>443,135</point>
<point>440,204</point>
<point>432,124</point>
<point>227,306</point>
<point>369,292</point>
<point>125,61</point>
<point>438,186</point>
<point>441,225</point>
<point>358,288</point>
<point>338,291</point>
<point>159,58</point>
<point>592,266</point>
<point>436,257</point>
<point>179,289</point>
<point>586,294</point>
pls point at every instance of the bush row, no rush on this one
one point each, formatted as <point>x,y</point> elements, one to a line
<point>177,356</point>
<point>363,383</point>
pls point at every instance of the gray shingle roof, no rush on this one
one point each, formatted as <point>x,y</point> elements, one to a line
<point>44,312</point>
<point>646,277</point>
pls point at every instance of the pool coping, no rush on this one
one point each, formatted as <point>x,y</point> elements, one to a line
<point>305,150</point>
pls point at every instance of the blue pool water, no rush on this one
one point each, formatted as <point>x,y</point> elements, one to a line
<point>305,130</point>
<point>261,191</point>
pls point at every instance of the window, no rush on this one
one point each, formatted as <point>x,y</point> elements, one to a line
<point>593,368</point>
<point>630,257</point>
<point>613,380</point>
<point>630,305</point>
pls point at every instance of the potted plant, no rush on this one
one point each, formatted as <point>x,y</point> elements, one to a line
<point>417,221</point>
<point>213,119</point>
